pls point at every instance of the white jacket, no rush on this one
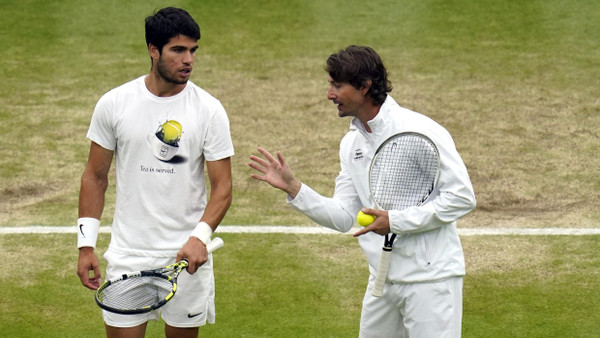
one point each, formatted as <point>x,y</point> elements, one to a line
<point>427,247</point>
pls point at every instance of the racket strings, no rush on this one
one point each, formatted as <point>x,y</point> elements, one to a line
<point>136,292</point>
<point>403,173</point>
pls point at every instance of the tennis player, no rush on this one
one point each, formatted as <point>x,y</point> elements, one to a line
<point>162,129</point>
<point>423,294</point>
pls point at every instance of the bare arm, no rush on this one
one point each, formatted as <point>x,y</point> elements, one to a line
<point>333,213</point>
<point>221,187</point>
<point>94,182</point>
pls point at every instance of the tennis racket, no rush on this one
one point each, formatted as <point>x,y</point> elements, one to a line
<point>144,291</point>
<point>403,173</point>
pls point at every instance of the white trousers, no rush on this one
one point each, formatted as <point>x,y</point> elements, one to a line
<point>420,310</point>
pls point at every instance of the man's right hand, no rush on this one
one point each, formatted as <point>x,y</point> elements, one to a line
<point>88,262</point>
<point>276,172</point>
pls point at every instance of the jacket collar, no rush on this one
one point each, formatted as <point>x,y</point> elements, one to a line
<point>380,123</point>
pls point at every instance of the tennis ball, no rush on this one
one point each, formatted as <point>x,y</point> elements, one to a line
<point>364,219</point>
<point>171,132</point>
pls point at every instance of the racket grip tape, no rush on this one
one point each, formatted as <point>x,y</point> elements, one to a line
<point>382,271</point>
<point>214,244</point>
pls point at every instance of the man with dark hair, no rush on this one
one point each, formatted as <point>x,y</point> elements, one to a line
<point>423,292</point>
<point>359,65</point>
<point>167,23</point>
<point>162,130</point>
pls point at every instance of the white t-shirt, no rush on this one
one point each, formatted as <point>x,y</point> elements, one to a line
<point>160,199</point>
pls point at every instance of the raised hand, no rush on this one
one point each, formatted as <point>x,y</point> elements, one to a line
<point>275,171</point>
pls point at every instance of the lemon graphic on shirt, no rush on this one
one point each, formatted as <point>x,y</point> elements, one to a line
<point>170,133</point>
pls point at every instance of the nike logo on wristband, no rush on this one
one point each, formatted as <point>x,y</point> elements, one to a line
<point>81,230</point>
<point>194,315</point>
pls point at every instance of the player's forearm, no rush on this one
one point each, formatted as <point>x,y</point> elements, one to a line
<point>217,206</point>
<point>221,192</point>
<point>335,213</point>
<point>91,196</point>
<point>94,182</point>
<point>445,209</point>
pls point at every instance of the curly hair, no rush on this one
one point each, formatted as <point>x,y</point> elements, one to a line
<point>358,64</point>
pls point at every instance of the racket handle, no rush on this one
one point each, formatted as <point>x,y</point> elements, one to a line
<point>382,271</point>
<point>214,244</point>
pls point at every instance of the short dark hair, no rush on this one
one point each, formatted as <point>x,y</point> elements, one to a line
<point>358,64</point>
<point>168,23</point>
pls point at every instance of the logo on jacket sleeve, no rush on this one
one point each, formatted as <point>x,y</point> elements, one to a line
<point>358,154</point>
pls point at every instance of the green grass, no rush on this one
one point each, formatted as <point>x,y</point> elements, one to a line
<point>267,285</point>
<point>271,285</point>
<point>514,81</point>
<point>531,286</point>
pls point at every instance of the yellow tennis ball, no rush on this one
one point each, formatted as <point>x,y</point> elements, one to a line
<point>364,219</point>
<point>171,132</point>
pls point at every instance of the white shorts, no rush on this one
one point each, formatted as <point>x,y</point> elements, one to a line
<point>193,305</point>
<point>414,310</point>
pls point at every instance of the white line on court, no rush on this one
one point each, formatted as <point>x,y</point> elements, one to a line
<point>270,229</point>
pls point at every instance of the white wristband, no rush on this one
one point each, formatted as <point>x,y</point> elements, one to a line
<point>87,232</point>
<point>203,231</point>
